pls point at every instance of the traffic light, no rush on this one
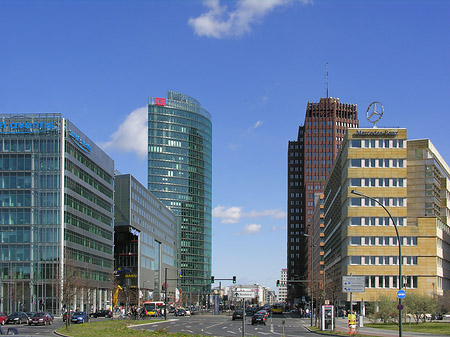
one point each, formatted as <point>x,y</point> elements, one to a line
<point>234,279</point>
<point>212,279</point>
<point>278,283</point>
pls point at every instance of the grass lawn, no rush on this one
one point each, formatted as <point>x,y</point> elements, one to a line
<point>433,328</point>
<point>111,328</point>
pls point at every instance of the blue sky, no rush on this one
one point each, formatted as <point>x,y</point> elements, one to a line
<point>253,64</point>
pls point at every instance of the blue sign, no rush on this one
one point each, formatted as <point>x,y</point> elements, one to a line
<point>26,127</point>
<point>303,299</point>
<point>401,293</point>
<point>80,142</point>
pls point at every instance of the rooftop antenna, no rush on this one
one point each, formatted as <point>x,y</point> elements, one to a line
<point>327,80</point>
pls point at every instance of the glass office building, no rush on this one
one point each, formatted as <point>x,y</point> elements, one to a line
<point>145,242</point>
<point>56,216</point>
<point>180,175</point>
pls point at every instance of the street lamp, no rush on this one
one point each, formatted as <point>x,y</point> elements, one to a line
<point>399,258</point>
<point>312,292</point>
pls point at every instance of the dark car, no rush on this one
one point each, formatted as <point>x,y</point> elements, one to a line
<point>79,317</point>
<point>40,318</point>
<point>180,312</point>
<point>263,312</point>
<point>3,318</point>
<point>101,313</point>
<point>237,314</point>
<point>258,319</point>
<point>17,318</point>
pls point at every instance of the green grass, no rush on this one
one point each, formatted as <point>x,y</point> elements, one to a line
<point>433,328</point>
<point>112,328</point>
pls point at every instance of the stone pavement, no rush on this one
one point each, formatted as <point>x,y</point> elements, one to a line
<point>342,325</point>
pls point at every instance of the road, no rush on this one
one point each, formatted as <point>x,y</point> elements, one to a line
<point>222,325</point>
<point>40,330</point>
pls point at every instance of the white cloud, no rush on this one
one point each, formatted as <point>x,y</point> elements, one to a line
<point>251,229</point>
<point>132,134</point>
<point>219,22</point>
<point>228,215</point>
<point>234,214</point>
<point>255,126</point>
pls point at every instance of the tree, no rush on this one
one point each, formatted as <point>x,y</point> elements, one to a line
<point>419,305</point>
<point>443,304</point>
<point>386,308</point>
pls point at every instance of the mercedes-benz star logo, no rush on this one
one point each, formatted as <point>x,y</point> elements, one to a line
<point>376,113</point>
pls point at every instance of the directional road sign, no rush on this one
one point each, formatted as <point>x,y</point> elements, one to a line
<point>353,284</point>
<point>244,294</point>
<point>401,293</point>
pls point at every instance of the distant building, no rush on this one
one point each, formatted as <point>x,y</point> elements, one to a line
<point>180,175</point>
<point>412,180</point>
<point>56,216</point>
<point>310,159</point>
<point>282,289</point>
<point>145,242</point>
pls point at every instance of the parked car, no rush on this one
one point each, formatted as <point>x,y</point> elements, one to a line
<point>258,319</point>
<point>101,313</point>
<point>17,318</point>
<point>79,317</point>
<point>3,318</point>
<point>237,314</point>
<point>40,318</point>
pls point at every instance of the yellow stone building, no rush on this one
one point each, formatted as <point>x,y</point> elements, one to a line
<point>410,179</point>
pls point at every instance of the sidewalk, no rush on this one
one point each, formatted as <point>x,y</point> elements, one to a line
<point>342,325</point>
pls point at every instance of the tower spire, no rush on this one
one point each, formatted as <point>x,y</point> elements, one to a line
<point>327,80</point>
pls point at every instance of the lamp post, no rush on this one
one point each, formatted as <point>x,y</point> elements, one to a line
<point>400,281</point>
<point>312,292</point>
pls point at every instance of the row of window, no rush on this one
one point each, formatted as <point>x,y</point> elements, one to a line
<point>15,162</point>
<point>85,209</point>
<point>87,242</point>
<point>376,221</point>
<point>390,282</point>
<point>378,143</point>
<point>382,240</point>
<point>86,193</point>
<point>87,178</point>
<point>378,182</point>
<point>366,202</point>
<point>392,163</point>
<point>41,145</point>
<point>73,151</point>
<point>382,260</point>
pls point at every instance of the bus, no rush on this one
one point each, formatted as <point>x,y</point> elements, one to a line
<point>154,308</point>
<point>277,308</point>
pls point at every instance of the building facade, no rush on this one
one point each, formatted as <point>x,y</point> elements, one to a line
<point>145,242</point>
<point>429,210</point>
<point>56,216</point>
<point>282,289</point>
<point>180,175</point>
<point>310,159</point>
<point>411,180</point>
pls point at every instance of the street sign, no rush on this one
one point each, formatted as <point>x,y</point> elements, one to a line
<point>303,299</point>
<point>244,294</point>
<point>353,284</point>
<point>401,293</point>
<point>400,307</point>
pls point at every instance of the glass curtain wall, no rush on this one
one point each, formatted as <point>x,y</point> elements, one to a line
<point>180,175</point>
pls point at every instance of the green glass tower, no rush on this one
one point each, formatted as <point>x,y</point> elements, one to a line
<point>180,175</point>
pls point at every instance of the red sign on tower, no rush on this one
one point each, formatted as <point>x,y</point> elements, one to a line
<point>160,101</point>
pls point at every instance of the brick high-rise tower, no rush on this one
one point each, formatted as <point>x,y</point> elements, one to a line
<point>310,159</point>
